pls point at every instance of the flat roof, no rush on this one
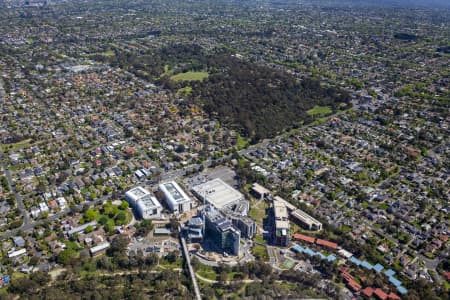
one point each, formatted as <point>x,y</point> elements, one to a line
<point>173,192</point>
<point>304,217</point>
<point>282,224</point>
<point>260,189</point>
<point>218,193</point>
<point>280,210</point>
<point>148,202</point>
<point>288,205</point>
<point>137,193</point>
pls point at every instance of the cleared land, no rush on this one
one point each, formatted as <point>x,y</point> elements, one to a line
<point>190,76</point>
<point>319,111</point>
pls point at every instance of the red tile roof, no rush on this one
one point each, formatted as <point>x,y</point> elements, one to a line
<point>447,275</point>
<point>368,291</point>
<point>354,285</point>
<point>347,276</point>
<point>305,238</point>
<point>327,244</point>
<point>394,296</point>
<point>380,294</point>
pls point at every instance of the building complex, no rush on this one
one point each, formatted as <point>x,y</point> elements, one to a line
<point>144,203</point>
<point>175,198</point>
<point>221,230</point>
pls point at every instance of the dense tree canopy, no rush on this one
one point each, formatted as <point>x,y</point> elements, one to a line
<point>257,100</point>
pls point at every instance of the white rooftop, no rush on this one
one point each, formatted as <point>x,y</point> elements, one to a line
<point>174,193</point>
<point>137,193</point>
<point>218,193</point>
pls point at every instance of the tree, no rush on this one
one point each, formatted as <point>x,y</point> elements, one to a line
<point>65,256</point>
<point>195,263</point>
<point>172,256</point>
<point>89,228</point>
<point>91,214</point>
<point>124,205</point>
<point>118,245</point>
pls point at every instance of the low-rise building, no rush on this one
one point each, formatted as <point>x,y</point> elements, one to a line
<point>306,220</point>
<point>259,191</point>
<point>175,198</point>
<point>220,194</point>
<point>144,203</point>
<point>99,249</point>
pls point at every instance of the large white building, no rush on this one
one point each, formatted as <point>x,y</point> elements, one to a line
<point>220,195</point>
<point>306,220</point>
<point>145,203</point>
<point>175,198</point>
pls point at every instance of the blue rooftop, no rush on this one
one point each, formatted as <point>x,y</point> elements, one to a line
<point>366,265</point>
<point>6,279</point>
<point>297,248</point>
<point>300,249</point>
<point>310,252</point>
<point>355,260</point>
<point>331,258</point>
<point>389,272</point>
<point>401,290</point>
<point>395,281</point>
<point>378,268</point>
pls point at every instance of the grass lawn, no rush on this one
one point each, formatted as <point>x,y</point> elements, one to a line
<point>230,276</point>
<point>259,239</point>
<point>288,264</point>
<point>319,111</point>
<point>167,71</point>
<point>22,144</point>
<point>261,252</point>
<point>446,285</point>
<point>107,53</point>
<point>166,265</point>
<point>207,272</point>
<point>345,228</point>
<point>258,211</point>
<point>383,206</point>
<point>186,91</point>
<point>241,142</point>
<point>190,76</point>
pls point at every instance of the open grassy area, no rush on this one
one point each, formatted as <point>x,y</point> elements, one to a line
<point>107,53</point>
<point>259,239</point>
<point>288,264</point>
<point>319,111</point>
<point>190,76</point>
<point>241,142</point>
<point>185,91</point>
<point>207,272</point>
<point>446,285</point>
<point>22,144</point>
<point>258,211</point>
<point>165,264</point>
<point>260,252</point>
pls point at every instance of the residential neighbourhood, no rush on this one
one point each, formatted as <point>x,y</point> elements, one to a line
<point>108,170</point>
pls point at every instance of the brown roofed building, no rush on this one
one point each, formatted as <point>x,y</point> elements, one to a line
<point>305,238</point>
<point>380,294</point>
<point>326,243</point>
